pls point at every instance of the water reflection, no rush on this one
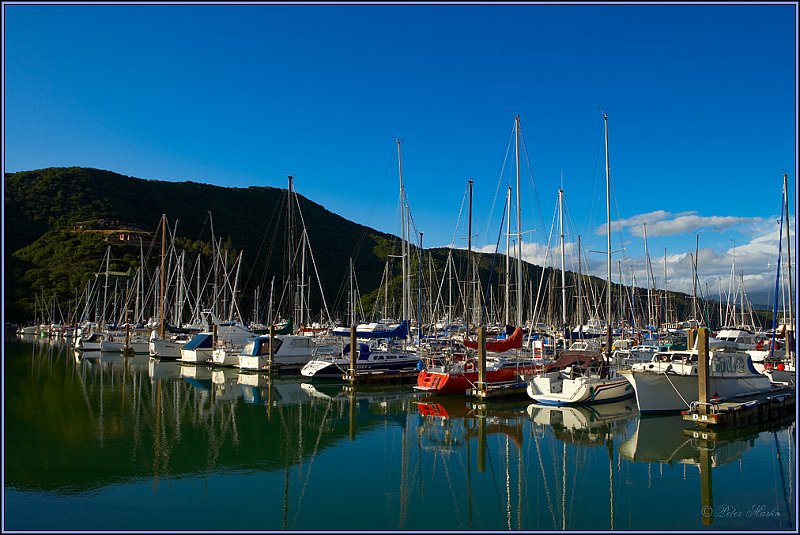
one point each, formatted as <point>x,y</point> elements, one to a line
<point>291,448</point>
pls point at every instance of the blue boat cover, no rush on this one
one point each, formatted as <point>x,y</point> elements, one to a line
<point>199,341</point>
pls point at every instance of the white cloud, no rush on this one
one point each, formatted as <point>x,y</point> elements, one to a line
<point>754,259</point>
<point>663,223</point>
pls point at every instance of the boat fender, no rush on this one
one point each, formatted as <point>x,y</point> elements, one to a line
<point>420,365</point>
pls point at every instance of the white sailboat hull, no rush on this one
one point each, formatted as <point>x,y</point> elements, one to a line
<point>554,389</point>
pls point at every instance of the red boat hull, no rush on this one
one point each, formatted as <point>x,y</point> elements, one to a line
<point>459,383</point>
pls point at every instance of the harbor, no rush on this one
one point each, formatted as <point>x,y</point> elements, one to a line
<point>384,268</point>
<point>160,433</point>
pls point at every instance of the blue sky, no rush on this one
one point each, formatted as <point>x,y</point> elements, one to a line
<point>700,101</point>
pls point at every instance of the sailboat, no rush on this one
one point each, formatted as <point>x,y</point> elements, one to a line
<point>779,366</point>
<point>504,365</point>
<point>386,357</point>
<point>583,377</point>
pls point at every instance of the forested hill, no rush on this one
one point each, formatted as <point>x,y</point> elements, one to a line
<point>58,223</point>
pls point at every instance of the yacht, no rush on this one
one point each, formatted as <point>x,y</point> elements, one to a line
<point>367,360</point>
<point>579,377</point>
<point>669,381</point>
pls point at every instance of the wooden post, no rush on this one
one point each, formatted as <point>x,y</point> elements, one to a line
<point>706,495</point>
<point>689,339</point>
<point>271,351</point>
<point>481,358</point>
<point>481,443</point>
<point>127,350</point>
<point>214,335</point>
<point>702,369</point>
<point>352,420</point>
<point>352,370</point>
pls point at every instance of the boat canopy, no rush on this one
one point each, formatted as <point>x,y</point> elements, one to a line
<point>200,341</point>
<point>579,358</point>
<point>363,351</point>
<point>259,346</point>
<point>498,346</point>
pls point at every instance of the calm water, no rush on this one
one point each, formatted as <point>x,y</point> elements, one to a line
<point>102,442</point>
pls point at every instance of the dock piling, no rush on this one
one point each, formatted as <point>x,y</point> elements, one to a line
<point>702,370</point>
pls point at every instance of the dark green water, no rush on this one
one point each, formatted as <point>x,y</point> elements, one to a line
<point>103,442</point>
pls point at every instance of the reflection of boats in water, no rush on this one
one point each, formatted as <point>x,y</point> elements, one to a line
<point>588,424</point>
<point>662,440</point>
<point>163,369</point>
<point>138,362</point>
<point>475,419</point>
<point>195,371</point>
<point>262,388</point>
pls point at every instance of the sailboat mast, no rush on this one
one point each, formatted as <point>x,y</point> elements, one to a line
<point>519,230</point>
<point>302,281</point>
<point>403,245</point>
<point>694,277</point>
<point>608,243</point>
<point>580,297</point>
<point>105,290</point>
<point>161,273</point>
<point>419,292</point>
<point>508,258</point>
<point>352,296</point>
<point>563,275</point>
<point>469,259</point>
<point>648,268</point>
<point>790,322</point>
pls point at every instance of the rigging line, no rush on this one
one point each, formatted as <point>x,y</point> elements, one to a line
<point>533,182</point>
<point>458,219</point>
<point>311,464</point>
<point>313,260</point>
<point>499,181</point>
<point>594,206</point>
<point>674,388</point>
<point>494,260</point>
<point>544,475</point>
<point>536,310</point>
<point>274,216</point>
<point>783,476</point>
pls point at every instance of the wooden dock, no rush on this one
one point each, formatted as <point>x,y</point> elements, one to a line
<point>768,407</point>
<point>499,390</point>
<point>382,377</point>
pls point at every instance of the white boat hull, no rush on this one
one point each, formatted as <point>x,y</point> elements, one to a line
<point>668,392</point>
<point>165,349</point>
<point>261,363</point>
<point>554,389</point>
<point>225,357</point>
<point>107,346</point>
<point>196,356</point>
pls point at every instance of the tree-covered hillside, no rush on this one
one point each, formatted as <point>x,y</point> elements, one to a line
<point>59,223</point>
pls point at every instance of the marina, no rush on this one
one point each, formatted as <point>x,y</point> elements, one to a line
<point>429,268</point>
<point>106,440</point>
